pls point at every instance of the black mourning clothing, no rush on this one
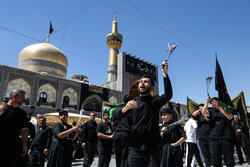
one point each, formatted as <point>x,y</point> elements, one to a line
<point>144,119</point>
<point>242,140</point>
<point>144,124</point>
<point>204,129</point>
<point>89,131</point>
<point>104,146</point>
<point>90,138</point>
<point>11,123</point>
<point>121,137</point>
<point>120,121</point>
<point>222,138</point>
<point>171,156</point>
<point>42,139</point>
<point>203,135</point>
<point>221,127</point>
<point>61,149</point>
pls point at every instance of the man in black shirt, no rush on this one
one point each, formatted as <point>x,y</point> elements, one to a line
<point>143,120</point>
<point>105,142</point>
<point>23,160</point>
<point>121,135</point>
<point>89,140</point>
<point>203,135</point>
<point>41,144</point>
<point>222,135</point>
<point>13,123</point>
<point>241,139</point>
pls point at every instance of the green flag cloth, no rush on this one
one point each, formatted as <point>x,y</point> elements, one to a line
<point>108,107</point>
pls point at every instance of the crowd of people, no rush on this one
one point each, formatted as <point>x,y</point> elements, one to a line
<point>133,133</point>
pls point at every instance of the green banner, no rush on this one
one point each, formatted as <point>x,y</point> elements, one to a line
<point>109,107</point>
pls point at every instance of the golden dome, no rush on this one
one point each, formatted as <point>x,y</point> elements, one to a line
<point>43,57</point>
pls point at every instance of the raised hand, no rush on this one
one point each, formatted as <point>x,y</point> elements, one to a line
<point>164,68</point>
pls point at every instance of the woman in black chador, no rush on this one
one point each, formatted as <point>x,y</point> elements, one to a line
<point>62,146</point>
<point>172,138</point>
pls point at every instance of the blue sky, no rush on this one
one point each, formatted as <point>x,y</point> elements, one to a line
<point>201,28</point>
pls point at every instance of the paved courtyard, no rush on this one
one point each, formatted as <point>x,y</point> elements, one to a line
<point>79,162</point>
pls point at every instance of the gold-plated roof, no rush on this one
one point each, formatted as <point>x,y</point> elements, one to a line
<point>43,57</point>
<point>43,51</point>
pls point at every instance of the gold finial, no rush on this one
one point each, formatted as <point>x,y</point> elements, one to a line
<point>114,25</point>
<point>47,40</point>
<point>115,16</point>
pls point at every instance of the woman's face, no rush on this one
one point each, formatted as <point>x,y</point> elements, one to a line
<point>166,117</point>
<point>63,117</point>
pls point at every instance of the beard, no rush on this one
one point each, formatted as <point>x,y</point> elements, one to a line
<point>144,92</point>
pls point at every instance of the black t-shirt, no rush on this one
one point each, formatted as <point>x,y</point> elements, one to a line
<point>61,127</point>
<point>120,121</point>
<point>204,129</point>
<point>173,134</point>
<point>106,129</point>
<point>239,125</point>
<point>89,131</point>
<point>11,123</point>
<point>42,139</point>
<point>221,127</point>
<point>243,127</point>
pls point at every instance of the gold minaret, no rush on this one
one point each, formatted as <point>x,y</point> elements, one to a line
<point>114,41</point>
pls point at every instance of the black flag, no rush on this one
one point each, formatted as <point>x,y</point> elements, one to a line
<point>50,28</point>
<point>220,86</point>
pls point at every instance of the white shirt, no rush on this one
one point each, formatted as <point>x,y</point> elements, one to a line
<point>190,129</point>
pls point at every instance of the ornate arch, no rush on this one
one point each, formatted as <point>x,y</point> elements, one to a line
<point>94,102</point>
<point>50,91</point>
<point>71,94</point>
<point>19,83</point>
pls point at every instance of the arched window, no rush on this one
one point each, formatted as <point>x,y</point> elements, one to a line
<point>65,101</point>
<point>43,97</point>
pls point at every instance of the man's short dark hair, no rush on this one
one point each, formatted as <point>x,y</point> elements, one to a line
<point>61,112</point>
<point>166,110</point>
<point>215,98</point>
<point>44,118</point>
<point>92,112</point>
<point>201,104</point>
<point>151,79</point>
<point>105,112</point>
